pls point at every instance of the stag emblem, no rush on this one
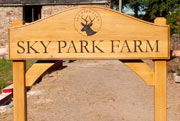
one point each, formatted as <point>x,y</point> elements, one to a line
<point>87,25</point>
<point>87,22</point>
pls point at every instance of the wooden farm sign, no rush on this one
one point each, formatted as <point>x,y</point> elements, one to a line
<point>89,32</point>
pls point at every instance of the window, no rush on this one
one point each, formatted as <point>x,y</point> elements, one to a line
<point>31,13</point>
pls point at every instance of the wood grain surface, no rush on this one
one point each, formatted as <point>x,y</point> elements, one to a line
<point>89,32</point>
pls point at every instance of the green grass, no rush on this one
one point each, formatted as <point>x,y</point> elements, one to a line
<point>6,72</point>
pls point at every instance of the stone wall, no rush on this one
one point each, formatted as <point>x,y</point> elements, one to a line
<point>7,15</point>
<point>52,9</point>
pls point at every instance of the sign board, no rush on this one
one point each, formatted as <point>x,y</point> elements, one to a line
<point>89,33</point>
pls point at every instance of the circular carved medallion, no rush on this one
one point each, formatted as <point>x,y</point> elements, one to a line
<point>87,22</point>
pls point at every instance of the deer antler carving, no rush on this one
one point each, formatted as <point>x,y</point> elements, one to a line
<point>87,26</point>
<point>91,21</point>
<point>85,19</point>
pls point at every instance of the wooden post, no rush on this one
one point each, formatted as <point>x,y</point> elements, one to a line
<point>19,91</point>
<point>160,91</point>
<point>160,84</point>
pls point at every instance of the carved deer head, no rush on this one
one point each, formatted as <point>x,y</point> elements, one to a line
<point>87,26</point>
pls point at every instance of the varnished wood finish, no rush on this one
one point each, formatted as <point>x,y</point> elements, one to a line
<point>160,91</point>
<point>36,71</point>
<point>19,91</point>
<point>109,25</point>
<point>115,26</point>
<point>143,71</point>
<point>160,84</point>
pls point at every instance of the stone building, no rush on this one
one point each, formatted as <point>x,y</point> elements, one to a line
<point>32,10</point>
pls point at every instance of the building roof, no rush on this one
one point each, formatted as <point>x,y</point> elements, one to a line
<point>50,2</point>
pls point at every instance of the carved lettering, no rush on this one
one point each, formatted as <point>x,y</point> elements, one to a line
<point>137,44</point>
<point>45,46</point>
<point>154,48</point>
<point>84,45</point>
<point>125,45</point>
<point>20,46</point>
<point>72,45</point>
<point>96,46</point>
<point>60,46</point>
<point>113,46</point>
<point>30,47</point>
